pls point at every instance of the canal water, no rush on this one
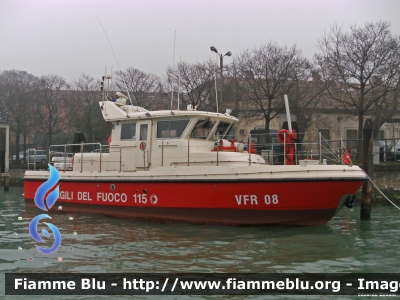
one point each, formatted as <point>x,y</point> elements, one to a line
<point>96,243</point>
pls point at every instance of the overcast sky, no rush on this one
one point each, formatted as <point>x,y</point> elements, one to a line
<point>65,37</point>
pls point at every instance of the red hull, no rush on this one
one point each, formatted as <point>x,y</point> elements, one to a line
<point>239,202</point>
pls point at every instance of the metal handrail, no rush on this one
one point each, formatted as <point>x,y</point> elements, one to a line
<point>305,151</point>
<point>64,154</point>
<point>34,158</point>
<point>81,145</point>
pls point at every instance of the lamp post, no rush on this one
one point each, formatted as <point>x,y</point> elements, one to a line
<point>221,65</point>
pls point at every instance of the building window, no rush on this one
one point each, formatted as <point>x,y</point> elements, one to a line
<point>351,138</point>
<point>128,131</point>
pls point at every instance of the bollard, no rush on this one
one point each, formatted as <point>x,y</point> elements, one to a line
<point>365,211</point>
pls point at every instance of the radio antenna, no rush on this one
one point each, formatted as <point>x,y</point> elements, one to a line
<point>116,59</point>
<point>173,66</point>
<point>179,81</point>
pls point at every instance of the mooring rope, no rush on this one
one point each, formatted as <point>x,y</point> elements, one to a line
<point>373,183</point>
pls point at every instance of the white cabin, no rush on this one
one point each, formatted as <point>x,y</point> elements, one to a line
<point>143,140</point>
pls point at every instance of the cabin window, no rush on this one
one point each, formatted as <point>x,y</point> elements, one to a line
<point>171,129</point>
<point>143,132</point>
<point>202,129</point>
<point>223,129</point>
<point>128,131</point>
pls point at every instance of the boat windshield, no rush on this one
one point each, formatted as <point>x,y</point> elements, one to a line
<point>202,129</point>
<point>171,129</point>
<point>223,129</point>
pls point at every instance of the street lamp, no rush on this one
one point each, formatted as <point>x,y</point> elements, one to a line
<point>221,65</point>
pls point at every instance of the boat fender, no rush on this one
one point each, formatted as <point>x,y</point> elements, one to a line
<point>240,147</point>
<point>350,201</point>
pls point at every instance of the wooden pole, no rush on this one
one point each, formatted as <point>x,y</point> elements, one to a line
<point>365,212</point>
<point>6,183</point>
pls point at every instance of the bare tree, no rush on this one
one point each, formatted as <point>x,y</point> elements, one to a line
<point>264,75</point>
<point>359,68</point>
<point>195,82</point>
<point>17,101</point>
<point>89,118</point>
<point>54,108</point>
<point>143,88</point>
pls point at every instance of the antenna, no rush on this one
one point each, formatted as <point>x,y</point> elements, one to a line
<point>179,82</point>
<point>126,86</point>
<point>111,74</point>
<point>173,65</point>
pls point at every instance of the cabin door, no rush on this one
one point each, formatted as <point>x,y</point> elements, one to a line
<point>143,144</point>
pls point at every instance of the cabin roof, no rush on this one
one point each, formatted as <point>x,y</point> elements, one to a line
<point>112,112</point>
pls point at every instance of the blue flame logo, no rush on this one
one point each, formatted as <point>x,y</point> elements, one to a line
<point>45,187</point>
<point>50,201</point>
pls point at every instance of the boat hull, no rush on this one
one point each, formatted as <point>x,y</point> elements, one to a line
<point>239,202</point>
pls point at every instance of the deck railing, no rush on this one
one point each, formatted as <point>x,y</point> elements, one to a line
<point>28,163</point>
<point>321,151</point>
<point>71,150</point>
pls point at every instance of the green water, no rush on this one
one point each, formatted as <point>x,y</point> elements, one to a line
<point>104,244</point>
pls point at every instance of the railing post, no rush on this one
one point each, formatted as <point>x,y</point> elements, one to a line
<point>49,157</point>
<point>320,148</point>
<point>340,151</point>
<point>249,149</point>
<point>28,161</point>
<point>100,158</point>
<point>65,158</point>
<point>144,159</point>
<point>217,150</point>
<point>284,148</point>
<point>120,158</point>
<point>81,158</point>
<point>272,153</point>
<point>188,150</point>
<point>162,153</point>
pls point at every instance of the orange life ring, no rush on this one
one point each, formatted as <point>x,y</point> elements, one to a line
<point>142,146</point>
